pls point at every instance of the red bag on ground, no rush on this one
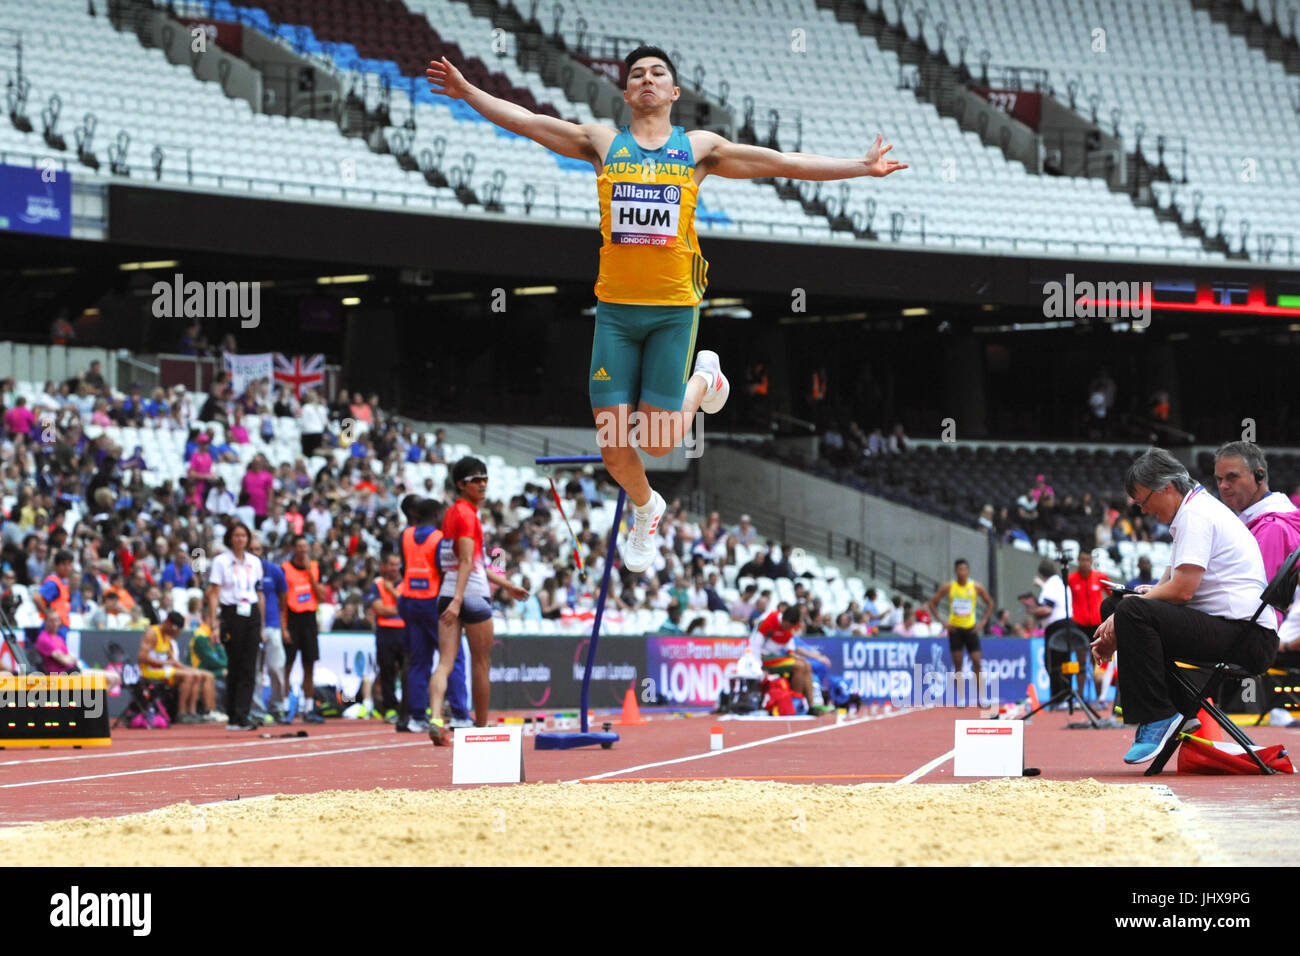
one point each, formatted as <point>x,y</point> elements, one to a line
<point>1197,755</point>
<point>779,698</point>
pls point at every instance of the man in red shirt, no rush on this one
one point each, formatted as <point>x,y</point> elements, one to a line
<point>775,639</point>
<point>1086,595</point>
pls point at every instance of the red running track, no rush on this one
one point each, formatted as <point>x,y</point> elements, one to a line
<point>144,770</point>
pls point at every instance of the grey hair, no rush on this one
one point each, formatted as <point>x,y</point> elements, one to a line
<point>1248,452</point>
<point>1156,469</point>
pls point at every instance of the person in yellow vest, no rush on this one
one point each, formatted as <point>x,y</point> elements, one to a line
<point>653,275</point>
<point>391,655</point>
<point>158,661</point>
<point>54,593</point>
<point>301,633</point>
<point>963,633</point>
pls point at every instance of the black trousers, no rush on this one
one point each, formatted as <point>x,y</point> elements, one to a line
<point>1150,633</point>
<point>391,660</point>
<point>242,637</point>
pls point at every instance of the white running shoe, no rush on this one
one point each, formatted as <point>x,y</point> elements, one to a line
<point>639,552</point>
<point>716,396</point>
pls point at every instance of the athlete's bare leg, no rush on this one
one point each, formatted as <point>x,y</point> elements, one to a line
<point>448,648</point>
<point>480,652</point>
<point>621,459</point>
<point>659,432</point>
<point>664,429</point>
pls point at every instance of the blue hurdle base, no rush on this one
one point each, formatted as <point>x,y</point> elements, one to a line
<point>562,740</point>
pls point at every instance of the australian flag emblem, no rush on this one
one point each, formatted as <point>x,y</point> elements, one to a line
<point>677,154</point>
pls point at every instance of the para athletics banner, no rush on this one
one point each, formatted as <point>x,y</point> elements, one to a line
<point>691,671</point>
<point>36,200</point>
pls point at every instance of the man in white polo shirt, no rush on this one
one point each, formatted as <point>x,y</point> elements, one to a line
<point>1201,608</point>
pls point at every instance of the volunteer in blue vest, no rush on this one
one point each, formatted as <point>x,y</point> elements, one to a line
<point>465,601</point>
<point>390,638</point>
<point>54,593</point>
<point>298,605</point>
<point>417,605</point>
<point>274,588</point>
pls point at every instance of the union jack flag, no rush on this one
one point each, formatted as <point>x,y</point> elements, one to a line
<point>301,372</point>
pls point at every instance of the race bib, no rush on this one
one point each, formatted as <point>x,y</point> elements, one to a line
<point>962,607</point>
<point>644,214</point>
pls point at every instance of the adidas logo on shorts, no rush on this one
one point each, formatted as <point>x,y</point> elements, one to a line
<point>601,375</point>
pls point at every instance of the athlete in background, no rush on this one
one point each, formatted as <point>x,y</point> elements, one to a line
<point>963,632</point>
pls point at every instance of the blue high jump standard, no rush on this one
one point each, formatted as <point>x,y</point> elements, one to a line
<point>567,740</point>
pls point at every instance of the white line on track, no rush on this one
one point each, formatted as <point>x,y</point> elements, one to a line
<point>234,742</point>
<point>200,766</point>
<point>921,771</point>
<point>754,743</point>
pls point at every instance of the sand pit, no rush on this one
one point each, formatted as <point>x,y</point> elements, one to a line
<point>1004,822</point>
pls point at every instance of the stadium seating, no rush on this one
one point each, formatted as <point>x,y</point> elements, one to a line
<point>163,452</point>
<point>993,204</point>
<point>844,88</point>
<point>1173,72</point>
<point>212,141</point>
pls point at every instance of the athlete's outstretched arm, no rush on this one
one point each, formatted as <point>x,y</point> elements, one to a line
<point>721,157</point>
<point>565,138</point>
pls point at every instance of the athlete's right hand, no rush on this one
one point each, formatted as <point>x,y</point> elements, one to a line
<point>447,80</point>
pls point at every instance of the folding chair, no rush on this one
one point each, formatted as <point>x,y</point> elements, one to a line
<point>1277,593</point>
<point>146,696</point>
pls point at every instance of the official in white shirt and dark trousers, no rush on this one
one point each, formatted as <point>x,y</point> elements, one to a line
<point>1199,611</point>
<point>235,606</point>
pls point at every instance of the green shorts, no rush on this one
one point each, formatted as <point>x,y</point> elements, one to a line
<point>642,353</point>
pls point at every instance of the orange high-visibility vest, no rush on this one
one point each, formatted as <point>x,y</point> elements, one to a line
<point>301,596</point>
<point>62,603</point>
<point>389,596</point>
<point>422,578</point>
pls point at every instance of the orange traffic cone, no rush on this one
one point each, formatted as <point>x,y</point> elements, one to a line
<point>631,716</point>
<point>1033,697</point>
<point>1210,729</point>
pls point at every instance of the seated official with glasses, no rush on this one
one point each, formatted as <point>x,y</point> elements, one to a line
<point>1200,610</point>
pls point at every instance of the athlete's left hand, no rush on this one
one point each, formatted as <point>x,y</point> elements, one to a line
<point>518,593</point>
<point>878,164</point>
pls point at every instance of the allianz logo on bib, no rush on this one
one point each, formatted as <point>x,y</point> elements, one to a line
<point>647,192</point>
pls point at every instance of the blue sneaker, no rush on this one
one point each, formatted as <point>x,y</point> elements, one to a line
<point>1151,738</point>
<point>311,717</point>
